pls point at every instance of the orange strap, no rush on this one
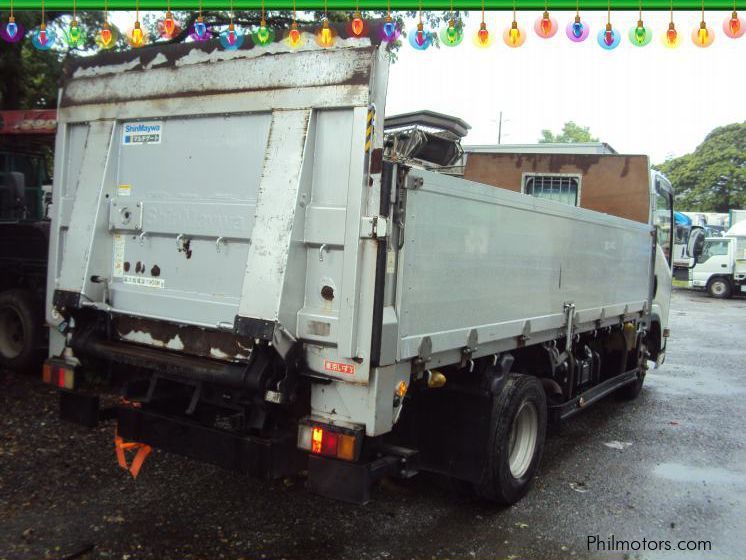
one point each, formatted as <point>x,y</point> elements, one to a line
<point>143,450</point>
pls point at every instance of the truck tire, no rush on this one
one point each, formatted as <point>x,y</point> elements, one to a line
<point>20,330</point>
<point>719,288</point>
<point>516,440</point>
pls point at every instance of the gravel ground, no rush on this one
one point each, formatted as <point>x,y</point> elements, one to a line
<point>681,478</point>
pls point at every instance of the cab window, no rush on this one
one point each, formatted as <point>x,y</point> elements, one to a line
<point>714,248</point>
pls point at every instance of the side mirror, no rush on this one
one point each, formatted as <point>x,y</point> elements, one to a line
<point>696,242</point>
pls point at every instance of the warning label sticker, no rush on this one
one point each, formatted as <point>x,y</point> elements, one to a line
<point>141,133</point>
<point>124,190</point>
<point>337,367</point>
<point>118,255</point>
<point>144,281</point>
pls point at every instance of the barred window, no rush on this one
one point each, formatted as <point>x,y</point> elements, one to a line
<point>562,188</point>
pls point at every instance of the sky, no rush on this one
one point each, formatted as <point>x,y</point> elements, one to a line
<point>643,100</point>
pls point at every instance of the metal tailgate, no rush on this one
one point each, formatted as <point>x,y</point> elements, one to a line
<point>223,190</point>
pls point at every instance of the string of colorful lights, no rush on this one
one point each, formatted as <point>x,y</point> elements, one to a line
<point>44,38</point>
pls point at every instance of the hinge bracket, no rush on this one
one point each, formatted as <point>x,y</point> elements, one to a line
<point>373,227</point>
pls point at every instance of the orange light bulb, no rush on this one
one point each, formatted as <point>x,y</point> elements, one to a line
<point>671,34</point>
<point>294,35</point>
<point>357,25</point>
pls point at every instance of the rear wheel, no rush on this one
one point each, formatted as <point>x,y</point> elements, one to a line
<point>516,442</point>
<point>20,330</point>
<point>719,288</point>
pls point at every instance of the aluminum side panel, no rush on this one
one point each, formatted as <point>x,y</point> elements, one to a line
<point>505,264</point>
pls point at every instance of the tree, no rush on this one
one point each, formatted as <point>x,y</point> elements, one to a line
<point>571,133</point>
<point>713,177</point>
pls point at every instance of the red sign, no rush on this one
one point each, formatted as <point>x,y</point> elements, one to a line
<point>36,121</point>
<point>337,367</point>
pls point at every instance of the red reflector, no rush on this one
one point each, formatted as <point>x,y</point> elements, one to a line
<point>329,444</point>
<point>60,377</point>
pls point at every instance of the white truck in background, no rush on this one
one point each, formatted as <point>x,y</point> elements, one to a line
<point>719,262</point>
<point>274,287</point>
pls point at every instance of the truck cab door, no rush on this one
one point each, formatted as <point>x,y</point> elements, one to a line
<point>716,258</point>
<point>663,221</point>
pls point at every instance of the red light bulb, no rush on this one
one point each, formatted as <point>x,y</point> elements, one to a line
<point>608,35</point>
<point>735,24</point>
<point>358,25</point>
<point>546,24</point>
<point>420,38</point>
<point>169,24</point>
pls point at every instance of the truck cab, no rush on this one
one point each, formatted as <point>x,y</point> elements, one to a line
<point>720,264</point>
<point>26,140</point>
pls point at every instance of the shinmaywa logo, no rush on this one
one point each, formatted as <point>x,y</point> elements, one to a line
<point>141,128</point>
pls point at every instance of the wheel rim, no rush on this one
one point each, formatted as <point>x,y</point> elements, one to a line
<point>523,435</point>
<point>11,333</point>
<point>718,288</point>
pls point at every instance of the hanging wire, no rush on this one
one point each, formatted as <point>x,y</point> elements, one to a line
<point>608,12</point>
<point>482,11</point>
<point>671,12</point>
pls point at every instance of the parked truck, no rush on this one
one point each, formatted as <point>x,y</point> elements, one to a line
<point>720,262</point>
<point>273,286</point>
<point>26,138</point>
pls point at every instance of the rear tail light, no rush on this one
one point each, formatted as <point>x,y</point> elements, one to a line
<point>330,441</point>
<point>58,374</point>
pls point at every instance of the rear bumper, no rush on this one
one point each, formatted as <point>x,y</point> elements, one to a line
<point>267,458</point>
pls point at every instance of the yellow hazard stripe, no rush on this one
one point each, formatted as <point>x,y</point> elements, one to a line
<point>369,131</point>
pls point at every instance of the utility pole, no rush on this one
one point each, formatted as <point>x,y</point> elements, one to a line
<point>499,128</point>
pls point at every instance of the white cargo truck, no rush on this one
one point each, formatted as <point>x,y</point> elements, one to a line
<point>272,289</point>
<point>720,262</point>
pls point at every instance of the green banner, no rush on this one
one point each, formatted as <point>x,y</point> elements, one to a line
<point>348,5</point>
